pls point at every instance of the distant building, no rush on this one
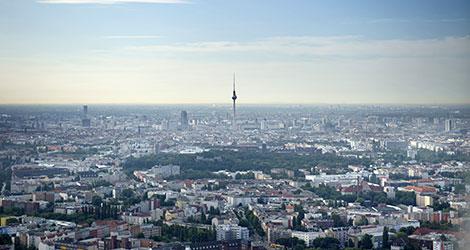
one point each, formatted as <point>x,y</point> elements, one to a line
<point>363,186</point>
<point>33,171</point>
<point>411,153</point>
<point>335,179</point>
<point>423,200</point>
<point>67,243</point>
<point>428,214</point>
<point>340,233</point>
<point>229,232</point>
<point>27,207</point>
<point>442,245</point>
<point>157,173</point>
<point>239,200</point>
<point>432,240</point>
<point>44,196</point>
<point>390,191</point>
<point>263,124</point>
<point>184,120</point>
<point>86,122</point>
<point>277,232</point>
<point>150,230</point>
<point>307,237</point>
<point>394,145</point>
<point>449,125</point>
<point>136,218</point>
<point>165,171</point>
<point>220,245</point>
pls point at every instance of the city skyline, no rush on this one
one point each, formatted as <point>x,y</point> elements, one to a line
<point>184,52</point>
<point>234,125</point>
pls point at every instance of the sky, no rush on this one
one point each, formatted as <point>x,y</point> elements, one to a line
<point>282,51</point>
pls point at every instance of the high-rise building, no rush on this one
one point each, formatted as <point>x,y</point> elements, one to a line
<point>184,120</point>
<point>234,98</point>
<point>449,125</point>
<point>263,124</point>
<point>86,122</point>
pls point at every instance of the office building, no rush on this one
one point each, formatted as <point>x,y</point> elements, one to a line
<point>449,125</point>
<point>86,122</point>
<point>184,120</point>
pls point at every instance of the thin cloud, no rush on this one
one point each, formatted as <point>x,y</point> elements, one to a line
<point>315,47</point>
<point>403,21</point>
<point>453,20</point>
<point>389,20</point>
<point>132,37</point>
<point>111,1</point>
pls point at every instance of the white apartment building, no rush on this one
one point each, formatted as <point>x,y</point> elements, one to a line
<point>232,232</point>
<point>307,237</point>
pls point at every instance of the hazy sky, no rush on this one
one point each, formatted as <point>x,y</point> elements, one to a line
<point>283,51</point>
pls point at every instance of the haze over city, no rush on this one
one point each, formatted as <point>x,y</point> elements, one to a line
<point>172,51</point>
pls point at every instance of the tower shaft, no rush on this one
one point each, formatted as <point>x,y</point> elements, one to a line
<point>234,98</point>
<point>234,115</point>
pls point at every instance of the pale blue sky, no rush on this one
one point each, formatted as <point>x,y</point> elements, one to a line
<point>146,51</point>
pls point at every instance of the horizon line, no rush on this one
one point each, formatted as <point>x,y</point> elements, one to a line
<point>242,104</point>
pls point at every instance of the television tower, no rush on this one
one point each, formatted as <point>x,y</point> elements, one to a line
<point>234,98</point>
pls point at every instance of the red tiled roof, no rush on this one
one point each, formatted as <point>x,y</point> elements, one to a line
<point>424,189</point>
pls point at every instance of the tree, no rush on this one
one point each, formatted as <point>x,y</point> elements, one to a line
<point>203,218</point>
<point>293,243</point>
<point>337,221</point>
<point>366,242</point>
<point>127,192</point>
<point>363,221</point>
<point>407,230</point>
<point>326,243</point>
<point>182,233</point>
<point>350,243</point>
<point>193,167</point>
<point>298,208</point>
<point>373,178</point>
<point>250,221</point>
<point>350,222</point>
<point>249,175</point>
<point>405,198</point>
<point>12,220</point>
<point>96,200</point>
<point>214,211</point>
<point>299,222</point>
<point>301,216</point>
<point>459,188</point>
<point>440,206</point>
<point>5,239</point>
<point>385,238</point>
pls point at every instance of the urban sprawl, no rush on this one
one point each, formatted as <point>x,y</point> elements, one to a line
<point>206,178</point>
